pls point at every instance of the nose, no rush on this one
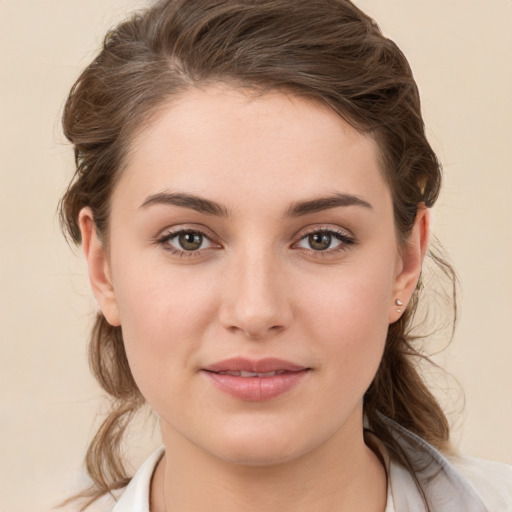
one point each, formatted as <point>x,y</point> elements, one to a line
<point>256,297</point>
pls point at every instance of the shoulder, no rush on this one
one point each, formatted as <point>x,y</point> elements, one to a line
<point>491,480</point>
<point>447,483</point>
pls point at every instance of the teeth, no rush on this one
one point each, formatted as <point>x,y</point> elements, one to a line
<point>243,373</point>
<point>253,374</point>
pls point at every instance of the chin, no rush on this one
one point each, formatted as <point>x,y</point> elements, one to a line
<point>262,446</point>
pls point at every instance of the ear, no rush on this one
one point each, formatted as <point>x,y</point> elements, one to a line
<point>98,266</point>
<point>410,262</point>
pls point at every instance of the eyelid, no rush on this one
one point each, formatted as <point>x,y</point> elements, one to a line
<point>346,238</point>
<point>324,228</point>
<point>173,231</point>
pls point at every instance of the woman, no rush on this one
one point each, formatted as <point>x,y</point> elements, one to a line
<point>252,195</point>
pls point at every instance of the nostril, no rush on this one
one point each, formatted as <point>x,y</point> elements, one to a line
<point>254,332</point>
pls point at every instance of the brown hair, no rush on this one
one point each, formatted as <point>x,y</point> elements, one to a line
<point>324,50</point>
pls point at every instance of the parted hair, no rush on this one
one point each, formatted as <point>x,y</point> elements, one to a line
<point>328,51</point>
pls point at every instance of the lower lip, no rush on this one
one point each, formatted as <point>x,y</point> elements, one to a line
<point>257,389</point>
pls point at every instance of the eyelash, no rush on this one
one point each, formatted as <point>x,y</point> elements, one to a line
<point>345,242</point>
<point>165,239</point>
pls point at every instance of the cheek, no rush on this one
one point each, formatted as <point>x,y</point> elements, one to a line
<point>348,318</point>
<point>154,295</point>
<point>355,297</point>
<point>354,338</point>
<point>163,314</point>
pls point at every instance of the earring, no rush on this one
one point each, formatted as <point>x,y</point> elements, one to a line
<point>399,303</point>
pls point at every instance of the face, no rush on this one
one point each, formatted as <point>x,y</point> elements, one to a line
<point>253,267</point>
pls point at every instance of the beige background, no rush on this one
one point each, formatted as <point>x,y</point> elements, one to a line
<point>461,53</point>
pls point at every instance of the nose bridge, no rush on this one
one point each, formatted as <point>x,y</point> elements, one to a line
<point>255,300</point>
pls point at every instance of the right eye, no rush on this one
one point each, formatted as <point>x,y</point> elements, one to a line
<point>186,242</point>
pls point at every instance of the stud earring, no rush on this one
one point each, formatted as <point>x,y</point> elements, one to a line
<point>399,303</point>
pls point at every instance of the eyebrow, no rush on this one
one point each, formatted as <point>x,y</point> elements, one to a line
<point>296,209</point>
<point>325,203</point>
<point>187,201</point>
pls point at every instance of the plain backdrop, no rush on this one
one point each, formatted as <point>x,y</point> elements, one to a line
<point>460,51</point>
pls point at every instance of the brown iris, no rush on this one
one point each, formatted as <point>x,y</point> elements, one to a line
<point>190,241</point>
<point>320,241</point>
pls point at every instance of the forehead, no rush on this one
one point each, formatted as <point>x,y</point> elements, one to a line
<point>236,144</point>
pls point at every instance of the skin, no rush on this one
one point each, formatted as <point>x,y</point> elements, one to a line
<point>257,288</point>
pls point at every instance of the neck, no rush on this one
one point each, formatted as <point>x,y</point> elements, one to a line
<point>342,474</point>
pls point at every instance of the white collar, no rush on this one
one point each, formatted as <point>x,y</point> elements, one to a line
<point>135,497</point>
<point>446,487</point>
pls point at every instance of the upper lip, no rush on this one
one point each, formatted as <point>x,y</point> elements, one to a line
<point>266,365</point>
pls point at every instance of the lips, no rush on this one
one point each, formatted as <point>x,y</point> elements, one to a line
<point>255,380</point>
<point>255,366</point>
<point>242,373</point>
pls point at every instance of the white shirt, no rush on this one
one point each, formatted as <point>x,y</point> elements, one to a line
<point>456,485</point>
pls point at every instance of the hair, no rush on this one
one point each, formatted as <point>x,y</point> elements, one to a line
<point>327,51</point>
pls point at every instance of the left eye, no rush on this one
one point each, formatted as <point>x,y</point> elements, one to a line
<point>188,240</point>
<point>321,241</point>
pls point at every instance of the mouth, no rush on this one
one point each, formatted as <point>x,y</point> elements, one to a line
<point>255,380</point>
<point>243,373</point>
<point>242,367</point>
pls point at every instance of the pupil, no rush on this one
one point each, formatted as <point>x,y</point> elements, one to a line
<point>320,241</point>
<point>190,241</point>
